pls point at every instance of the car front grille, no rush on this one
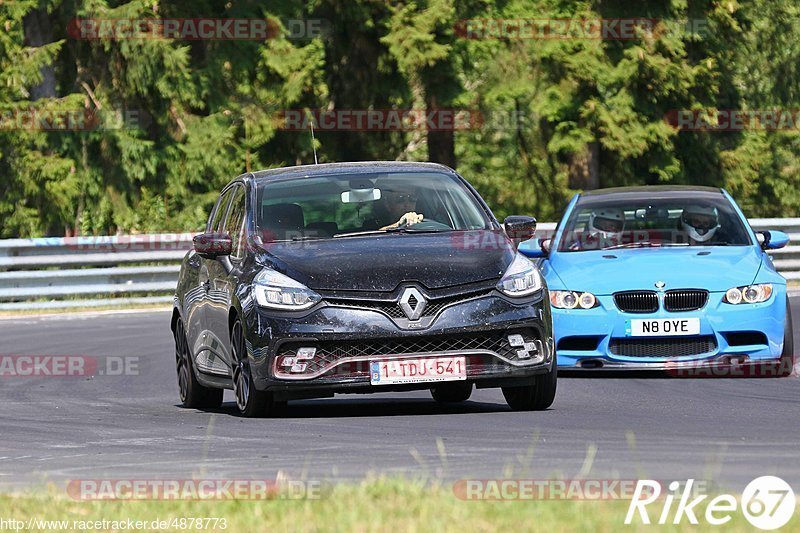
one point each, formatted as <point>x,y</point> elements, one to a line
<point>328,353</point>
<point>681,300</point>
<point>636,301</point>
<point>663,347</point>
<point>675,301</point>
<point>392,307</point>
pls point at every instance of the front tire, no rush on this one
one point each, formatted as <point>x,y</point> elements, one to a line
<point>459,391</point>
<point>192,393</point>
<point>252,403</point>
<point>535,397</point>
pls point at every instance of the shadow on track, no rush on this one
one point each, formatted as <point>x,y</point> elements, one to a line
<point>357,408</point>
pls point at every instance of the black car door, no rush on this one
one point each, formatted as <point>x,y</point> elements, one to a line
<point>202,341</point>
<point>223,275</point>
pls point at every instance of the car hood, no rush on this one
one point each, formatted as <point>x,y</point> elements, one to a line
<point>382,262</point>
<point>603,272</point>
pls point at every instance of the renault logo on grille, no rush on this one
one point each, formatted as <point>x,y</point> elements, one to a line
<point>413,303</point>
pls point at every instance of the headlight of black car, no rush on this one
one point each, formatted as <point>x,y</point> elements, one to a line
<point>276,291</point>
<point>522,278</point>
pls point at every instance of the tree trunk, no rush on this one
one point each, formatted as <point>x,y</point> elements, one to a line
<point>441,142</point>
<point>38,32</point>
<point>584,168</point>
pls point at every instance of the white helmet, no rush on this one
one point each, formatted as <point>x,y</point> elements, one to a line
<point>607,222</point>
<point>700,222</point>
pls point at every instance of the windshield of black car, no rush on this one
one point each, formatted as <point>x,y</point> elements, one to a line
<point>625,222</point>
<point>339,205</point>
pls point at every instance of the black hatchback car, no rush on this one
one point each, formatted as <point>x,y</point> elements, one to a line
<point>360,278</point>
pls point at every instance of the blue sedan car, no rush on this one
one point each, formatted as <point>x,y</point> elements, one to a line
<point>664,278</point>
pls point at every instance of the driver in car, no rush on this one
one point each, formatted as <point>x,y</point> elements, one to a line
<point>399,204</point>
<point>700,223</point>
<point>604,228</point>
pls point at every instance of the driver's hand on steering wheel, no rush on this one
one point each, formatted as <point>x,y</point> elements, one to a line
<point>409,219</point>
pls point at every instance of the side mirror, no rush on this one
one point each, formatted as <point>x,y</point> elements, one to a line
<point>519,228</point>
<point>213,245</point>
<point>535,248</point>
<point>772,239</point>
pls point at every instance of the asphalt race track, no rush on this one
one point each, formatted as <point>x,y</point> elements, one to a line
<point>61,428</point>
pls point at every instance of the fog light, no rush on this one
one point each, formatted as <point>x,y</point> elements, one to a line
<point>516,340</point>
<point>288,361</point>
<point>526,348</point>
<point>299,367</point>
<point>304,354</point>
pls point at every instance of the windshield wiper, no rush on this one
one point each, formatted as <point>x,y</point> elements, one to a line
<point>646,244</point>
<point>359,233</point>
<point>390,230</point>
<point>295,239</point>
<point>411,229</point>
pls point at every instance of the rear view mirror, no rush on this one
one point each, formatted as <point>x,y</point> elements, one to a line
<point>519,228</point>
<point>358,196</point>
<point>772,239</point>
<point>213,245</point>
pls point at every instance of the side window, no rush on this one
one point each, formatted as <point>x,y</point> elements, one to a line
<point>218,214</point>
<point>234,225</point>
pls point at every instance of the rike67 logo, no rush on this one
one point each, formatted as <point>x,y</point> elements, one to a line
<point>767,502</point>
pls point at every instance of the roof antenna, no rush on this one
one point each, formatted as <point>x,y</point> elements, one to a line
<point>313,139</point>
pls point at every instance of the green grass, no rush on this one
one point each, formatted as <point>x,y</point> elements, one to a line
<point>373,505</point>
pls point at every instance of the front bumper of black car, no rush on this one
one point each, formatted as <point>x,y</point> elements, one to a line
<point>346,338</point>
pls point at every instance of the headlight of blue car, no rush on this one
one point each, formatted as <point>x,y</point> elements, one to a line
<point>573,300</point>
<point>748,294</point>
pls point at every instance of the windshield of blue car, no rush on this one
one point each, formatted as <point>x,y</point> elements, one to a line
<point>336,206</point>
<point>618,223</point>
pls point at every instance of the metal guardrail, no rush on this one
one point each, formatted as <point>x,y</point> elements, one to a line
<point>59,272</point>
<point>65,272</point>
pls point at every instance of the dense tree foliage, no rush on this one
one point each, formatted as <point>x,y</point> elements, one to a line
<point>108,134</point>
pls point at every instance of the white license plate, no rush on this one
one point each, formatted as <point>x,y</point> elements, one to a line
<point>663,327</point>
<point>418,370</point>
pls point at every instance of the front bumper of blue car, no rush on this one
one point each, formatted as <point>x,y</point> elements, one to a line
<point>601,338</point>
